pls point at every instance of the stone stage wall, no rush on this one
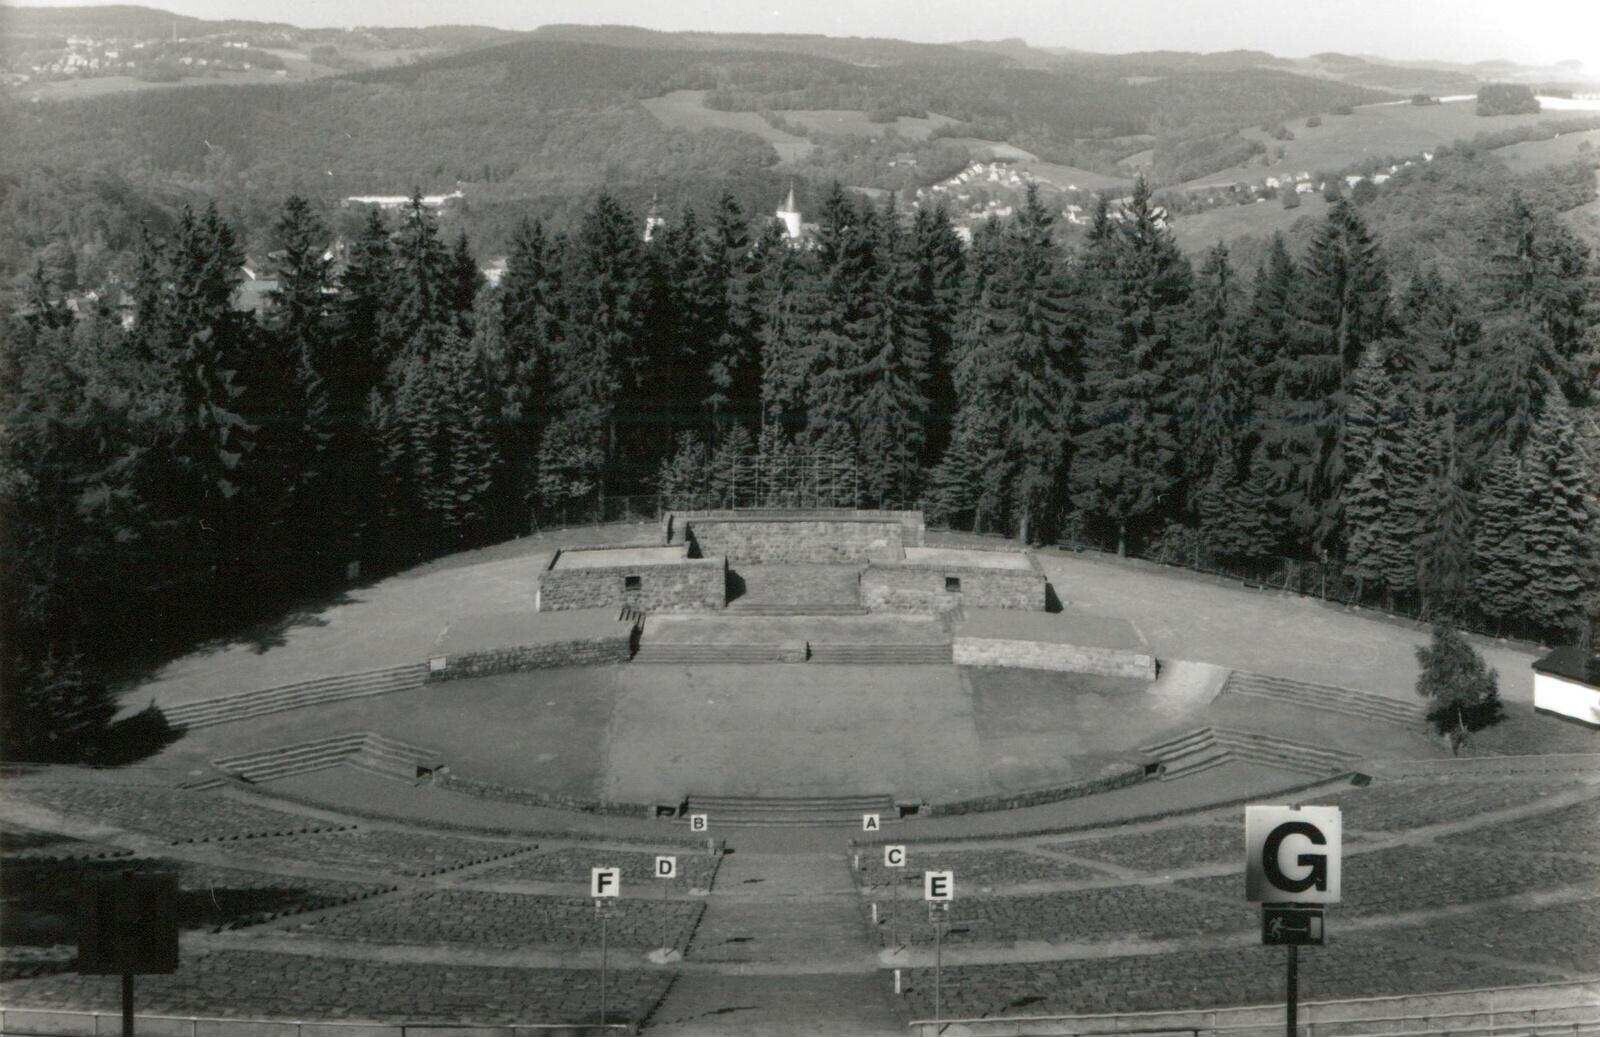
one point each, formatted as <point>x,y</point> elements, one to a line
<point>691,584</point>
<point>1062,658</point>
<point>794,541</point>
<point>916,587</point>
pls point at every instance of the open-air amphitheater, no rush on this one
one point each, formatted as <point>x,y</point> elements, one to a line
<point>384,810</point>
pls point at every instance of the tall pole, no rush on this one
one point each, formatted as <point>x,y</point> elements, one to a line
<point>938,970</point>
<point>601,906</point>
<point>1293,998</point>
<point>127,1004</point>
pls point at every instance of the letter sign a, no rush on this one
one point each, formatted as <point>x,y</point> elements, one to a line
<point>871,823</point>
<point>605,882</point>
<point>938,887</point>
<point>666,867</point>
<point>894,856</point>
<point>699,822</point>
<point>1292,856</point>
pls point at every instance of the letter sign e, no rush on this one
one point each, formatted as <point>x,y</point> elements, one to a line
<point>938,886</point>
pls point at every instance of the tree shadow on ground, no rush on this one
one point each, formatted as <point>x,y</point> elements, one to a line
<point>138,737</point>
<point>736,586</point>
<point>1052,600</point>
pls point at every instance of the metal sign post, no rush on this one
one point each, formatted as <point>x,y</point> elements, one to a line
<point>666,868</point>
<point>128,926</point>
<point>604,884</point>
<point>1292,868</point>
<point>895,857</point>
<point>938,889</point>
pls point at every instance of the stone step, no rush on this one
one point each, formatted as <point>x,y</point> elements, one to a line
<point>712,653</point>
<point>782,608</point>
<point>1189,740</point>
<point>798,811</point>
<point>1345,701</point>
<point>1282,752</point>
<point>373,751</point>
<point>1332,699</point>
<point>274,700</point>
<point>1214,757</point>
<point>922,654</point>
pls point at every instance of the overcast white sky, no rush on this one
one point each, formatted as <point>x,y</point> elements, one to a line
<point>1531,31</point>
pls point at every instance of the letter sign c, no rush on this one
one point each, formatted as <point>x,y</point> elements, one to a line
<point>1316,876</point>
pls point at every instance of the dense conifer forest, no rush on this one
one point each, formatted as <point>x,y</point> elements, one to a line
<point>1424,437</point>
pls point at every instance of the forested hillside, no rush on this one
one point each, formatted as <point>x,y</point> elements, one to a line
<point>1339,407</point>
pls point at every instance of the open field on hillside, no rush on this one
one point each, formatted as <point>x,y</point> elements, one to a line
<point>1071,176</point>
<point>1536,154</point>
<point>1372,132</point>
<point>980,148</point>
<point>685,109</point>
<point>844,122</point>
<point>100,86</point>
<point>1199,232</point>
<point>1585,219</point>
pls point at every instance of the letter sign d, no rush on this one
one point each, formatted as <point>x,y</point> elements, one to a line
<point>666,867</point>
<point>605,882</point>
<point>1292,856</point>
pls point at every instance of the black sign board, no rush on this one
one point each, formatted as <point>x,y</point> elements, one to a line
<point>1291,926</point>
<point>128,923</point>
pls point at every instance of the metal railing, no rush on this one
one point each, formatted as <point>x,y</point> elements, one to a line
<point>1480,1012</point>
<point>61,1022</point>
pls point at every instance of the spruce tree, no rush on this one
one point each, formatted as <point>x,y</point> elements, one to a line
<point>1543,273</point>
<point>937,270</point>
<point>465,281</point>
<point>1217,399</point>
<point>294,498</point>
<point>891,410</point>
<point>1511,384</point>
<point>531,328</point>
<point>1343,308</point>
<point>1127,468</point>
<point>603,379</point>
<point>1559,525</point>
<point>733,366</point>
<point>422,303</point>
<point>1462,693</point>
<point>1499,554</point>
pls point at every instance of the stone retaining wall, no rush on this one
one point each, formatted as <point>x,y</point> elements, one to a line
<point>694,584</point>
<point>594,651</point>
<point>899,587</point>
<point>1045,655</point>
<point>1130,775</point>
<point>833,541</point>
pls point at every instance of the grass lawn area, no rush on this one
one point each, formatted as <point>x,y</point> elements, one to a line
<point>1376,131</point>
<point>1198,232</point>
<point>541,730</point>
<point>1038,727</point>
<point>686,110</point>
<point>846,122</point>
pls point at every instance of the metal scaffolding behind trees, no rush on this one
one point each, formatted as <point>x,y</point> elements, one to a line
<point>791,479</point>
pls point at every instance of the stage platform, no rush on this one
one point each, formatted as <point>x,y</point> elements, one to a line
<point>478,633</point>
<point>722,629</point>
